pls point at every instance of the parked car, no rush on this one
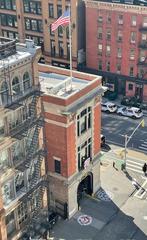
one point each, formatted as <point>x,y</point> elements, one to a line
<point>109,107</point>
<point>130,112</point>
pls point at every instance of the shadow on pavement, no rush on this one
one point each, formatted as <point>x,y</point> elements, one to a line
<point>108,222</point>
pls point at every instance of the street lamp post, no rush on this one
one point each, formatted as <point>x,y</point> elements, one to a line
<point>127,140</point>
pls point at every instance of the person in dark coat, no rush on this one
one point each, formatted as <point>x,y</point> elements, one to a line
<point>144,168</point>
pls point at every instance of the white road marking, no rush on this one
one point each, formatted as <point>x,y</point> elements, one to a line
<point>140,147</point>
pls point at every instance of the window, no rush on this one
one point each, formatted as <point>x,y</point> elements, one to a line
<point>32,7</point>
<point>37,40</point>
<point>130,86</point>
<point>2,130</point>
<point>8,20</point>
<point>51,10</point>
<point>131,71</point>
<point>109,18</point>
<point>100,48</point>
<point>145,22</point>
<point>133,20</point>
<point>100,65</point>
<point>133,37</point>
<point>60,31</point>
<point>4,93</point>
<point>10,222</point>
<point>118,68</point>
<point>108,66</point>
<point>108,34</point>
<point>68,50</point>
<point>67,32</point>
<point>119,53</point>
<point>132,54</point>
<point>22,212</point>
<point>61,50</point>
<point>17,151</point>
<point>100,33</point>
<point>9,34</point>
<point>52,33</point>
<point>84,154</point>
<point>59,10</point>
<point>26,81</point>
<point>119,36</point>
<point>53,48</point>
<point>8,4</point>
<point>108,50</point>
<point>3,159</point>
<point>100,19</point>
<point>33,25</point>
<point>120,19</point>
<point>144,36</point>
<point>141,73</point>
<point>84,121</point>
<point>19,181</point>
<point>57,166</point>
<point>14,119</point>
<point>15,86</point>
<point>7,192</point>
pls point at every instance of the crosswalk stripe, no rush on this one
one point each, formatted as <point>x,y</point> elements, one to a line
<point>145,145</point>
<point>131,165</point>
<point>144,141</point>
<point>132,162</point>
<point>134,170</point>
<point>143,148</point>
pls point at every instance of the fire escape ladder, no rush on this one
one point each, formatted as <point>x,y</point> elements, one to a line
<point>33,145</point>
<point>39,205</point>
<point>36,176</point>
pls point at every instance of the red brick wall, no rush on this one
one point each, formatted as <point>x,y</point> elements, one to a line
<point>145,92</point>
<point>60,142</point>
<point>92,40</point>
<point>97,128</point>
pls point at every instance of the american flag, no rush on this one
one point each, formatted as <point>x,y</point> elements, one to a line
<point>61,21</point>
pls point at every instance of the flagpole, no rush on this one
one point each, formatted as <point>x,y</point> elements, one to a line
<point>70,46</point>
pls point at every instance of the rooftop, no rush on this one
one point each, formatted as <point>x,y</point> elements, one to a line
<point>12,52</point>
<point>7,47</point>
<point>131,2</point>
<point>61,85</point>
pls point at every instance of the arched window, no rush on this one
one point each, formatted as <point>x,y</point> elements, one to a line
<point>26,81</point>
<point>4,92</point>
<point>15,86</point>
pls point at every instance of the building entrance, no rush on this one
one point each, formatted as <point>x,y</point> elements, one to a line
<point>85,187</point>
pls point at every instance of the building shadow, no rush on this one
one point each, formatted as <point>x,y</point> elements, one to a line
<point>109,222</point>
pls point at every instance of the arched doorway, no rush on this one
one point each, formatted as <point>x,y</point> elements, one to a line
<point>85,186</point>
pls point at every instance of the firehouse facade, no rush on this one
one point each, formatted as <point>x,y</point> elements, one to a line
<point>72,126</point>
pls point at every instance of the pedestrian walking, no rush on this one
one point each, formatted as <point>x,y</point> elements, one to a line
<point>144,169</point>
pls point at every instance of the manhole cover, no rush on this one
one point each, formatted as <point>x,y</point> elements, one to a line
<point>104,195</point>
<point>84,220</point>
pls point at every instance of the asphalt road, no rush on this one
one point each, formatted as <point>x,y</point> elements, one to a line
<point>115,128</point>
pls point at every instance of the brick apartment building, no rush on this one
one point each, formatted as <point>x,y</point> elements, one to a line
<point>72,127</point>
<point>116,45</point>
<point>32,19</point>
<point>23,188</point>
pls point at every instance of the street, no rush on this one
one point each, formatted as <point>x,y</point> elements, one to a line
<point>115,127</point>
